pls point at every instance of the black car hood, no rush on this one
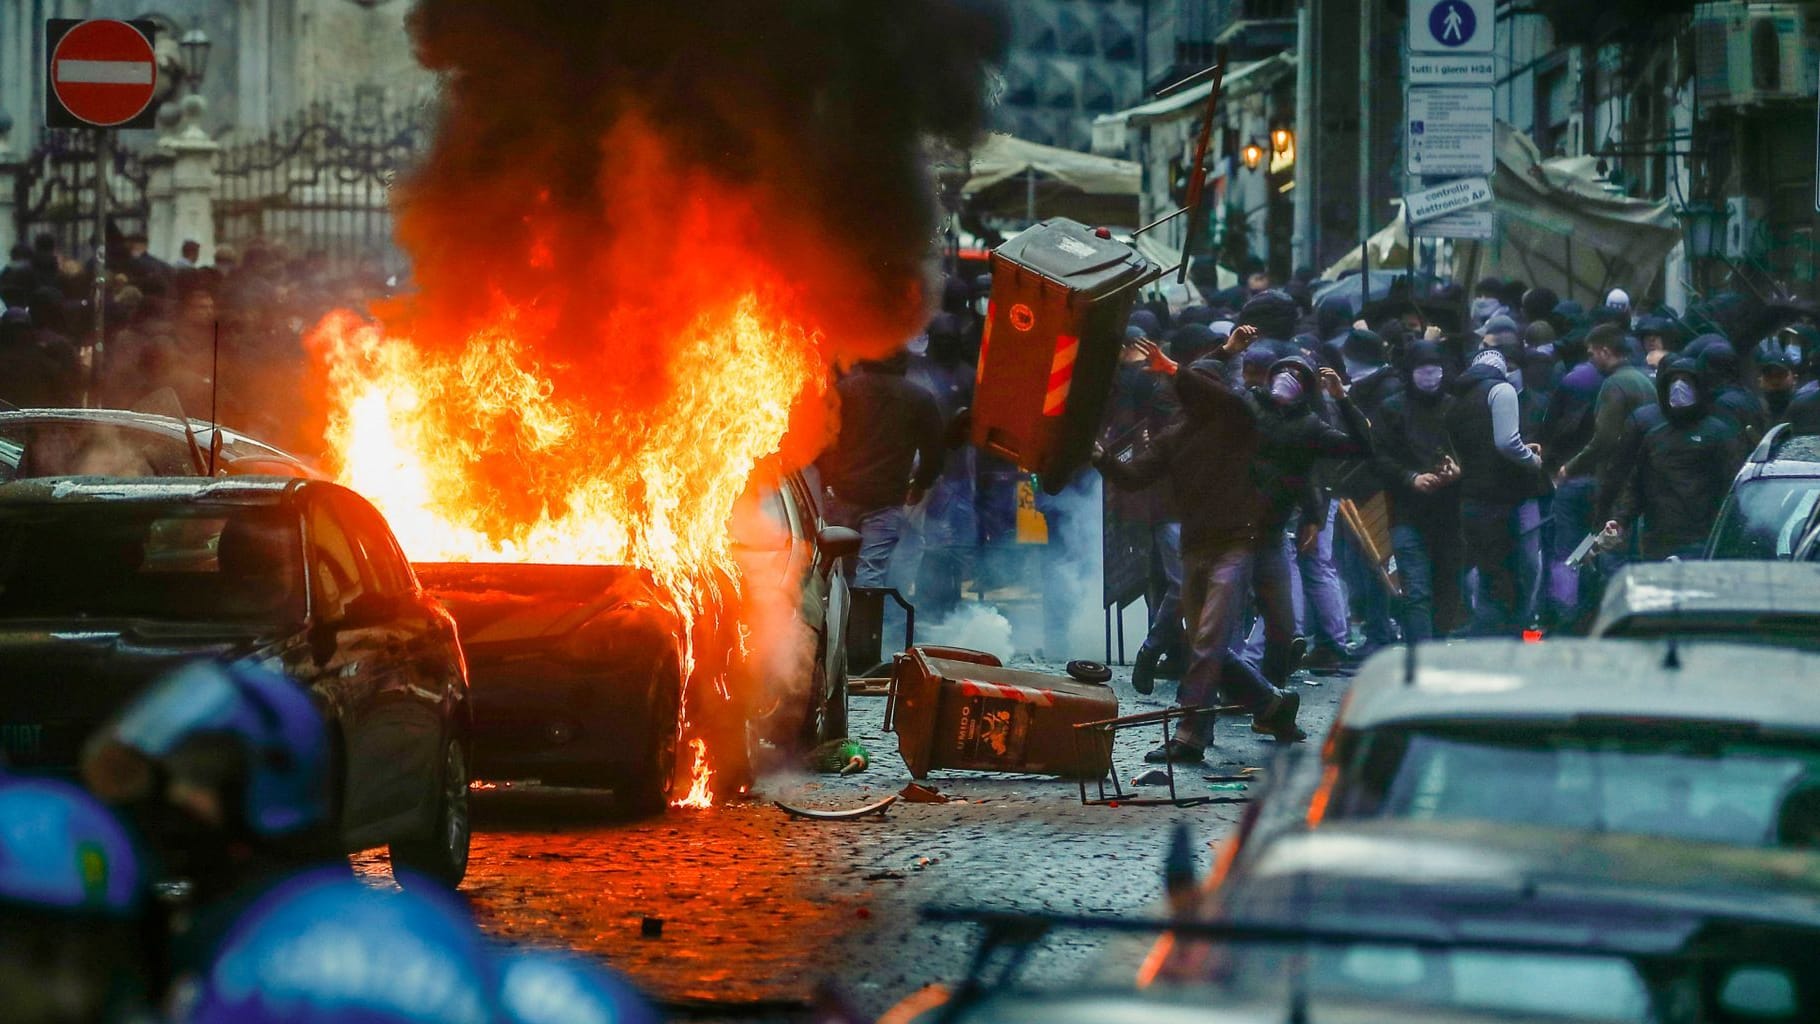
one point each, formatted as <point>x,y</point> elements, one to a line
<point>64,678</point>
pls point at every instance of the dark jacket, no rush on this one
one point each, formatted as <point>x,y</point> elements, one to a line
<point>1143,405</point>
<point>1567,426</point>
<point>1803,413</point>
<point>1295,438</point>
<point>1743,408</point>
<point>888,428</point>
<point>1206,454</point>
<point>1409,435</point>
<point>1672,469</point>
<point>1486,473</point>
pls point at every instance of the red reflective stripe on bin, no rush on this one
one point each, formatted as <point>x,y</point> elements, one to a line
<point>976,688</point>
<point>1061,375</point>
<point>985,344</point>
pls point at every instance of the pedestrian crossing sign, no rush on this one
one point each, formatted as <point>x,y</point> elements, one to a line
<point>1451,26</point>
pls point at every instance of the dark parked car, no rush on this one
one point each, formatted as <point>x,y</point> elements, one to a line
<point>105,584</point>
<point>1713,743</point>
<point>116,442</point>
<point>577,669</point>
<point>1773,500</point>
<point>1765,603</point>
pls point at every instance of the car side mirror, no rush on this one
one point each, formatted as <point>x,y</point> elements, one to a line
<point>836,543</point>
<point>368,609</point>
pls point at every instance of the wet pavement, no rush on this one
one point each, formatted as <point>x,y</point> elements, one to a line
<point>753,910</point>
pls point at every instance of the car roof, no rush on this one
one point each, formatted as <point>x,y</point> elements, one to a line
<point>234,444</point>
<point>1663,590</point>
<point>1783,453</point>
<point>234,490</point>
<point>1479,681</point>
<point>1393,862</point>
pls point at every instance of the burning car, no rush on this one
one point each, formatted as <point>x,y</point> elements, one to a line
<point>579,674</point>
<point>107,584</point>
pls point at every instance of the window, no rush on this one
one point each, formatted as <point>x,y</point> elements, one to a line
<point>1683,785</point>
<point>337,573</point>
<point>1763,518</point>
<point>177,562</point>
<point>390,573</point>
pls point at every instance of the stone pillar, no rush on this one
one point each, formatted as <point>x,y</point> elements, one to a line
<point>159,204</point>
<point>191,187</point>
<point>9,177</point>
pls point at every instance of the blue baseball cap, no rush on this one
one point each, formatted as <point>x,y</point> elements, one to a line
<point>542,987</point>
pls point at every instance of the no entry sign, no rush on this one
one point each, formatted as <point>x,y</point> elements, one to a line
<point>99,74</point>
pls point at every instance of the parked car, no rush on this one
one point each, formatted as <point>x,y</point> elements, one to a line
<point>1714,743</point>
<point>1772,501</point>
<point>1764,603</point>
<point>116,442</point>
<point>106,584</point>
<point>577,669</point>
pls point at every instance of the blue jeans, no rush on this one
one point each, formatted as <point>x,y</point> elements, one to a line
<point>879,531</point>
<point>1166,622</point>
<point>1324,596</point>
<point>1213,594</point>
<point>1573,520</point>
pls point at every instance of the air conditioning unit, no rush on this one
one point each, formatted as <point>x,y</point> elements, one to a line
<point>1747,53</point>
<point>1742,215</point>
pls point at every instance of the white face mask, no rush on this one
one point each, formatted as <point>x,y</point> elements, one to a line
<point>1285,388</point>
<point>1681,394</point>
<point>1428,378</point>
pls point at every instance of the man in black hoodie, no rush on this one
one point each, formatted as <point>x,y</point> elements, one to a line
<point>1500,477</point>
<point>1206,453</point>
<point>1674,466</point>
<point>886,457</point>
<point>1413,460</point>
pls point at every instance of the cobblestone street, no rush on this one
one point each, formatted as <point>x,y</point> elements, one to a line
<point>758,908</point>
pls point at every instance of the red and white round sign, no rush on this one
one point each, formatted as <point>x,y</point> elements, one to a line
<point>104,72</point>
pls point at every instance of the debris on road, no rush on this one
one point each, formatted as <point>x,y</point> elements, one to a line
<point>843,756</point>
<point>954,708</point>
<point>1153,777</point>
<point>842,815</point>
<point>651,927</point>
<point>917,793</point>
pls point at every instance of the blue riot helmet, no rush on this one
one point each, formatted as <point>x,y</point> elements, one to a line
<point>75,942</point>
<point>324,949</point>
<point>252,733</point>
<point>541,987</point>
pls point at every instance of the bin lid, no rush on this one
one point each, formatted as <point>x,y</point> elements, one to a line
<point>1073,255</point>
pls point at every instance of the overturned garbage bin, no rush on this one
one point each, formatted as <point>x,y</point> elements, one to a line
<point>960,709</point>
<point>1061,294</point>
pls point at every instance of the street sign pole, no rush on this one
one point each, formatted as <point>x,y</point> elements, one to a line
<point>1365,91</point>
<point>96,351</point>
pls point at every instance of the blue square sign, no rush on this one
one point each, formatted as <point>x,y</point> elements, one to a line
<point>1451,26</point>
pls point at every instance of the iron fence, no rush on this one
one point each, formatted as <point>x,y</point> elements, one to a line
<point>55,191</point>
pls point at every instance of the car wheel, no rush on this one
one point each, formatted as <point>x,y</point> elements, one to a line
<point>441,854</point>
<point>645,790</point>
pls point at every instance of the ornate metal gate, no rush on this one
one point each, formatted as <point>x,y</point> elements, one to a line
<point>55,192</point>
<point>322,181</point>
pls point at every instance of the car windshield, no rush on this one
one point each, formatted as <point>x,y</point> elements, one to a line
<point>169,562</point>
<point>1794,632</point>
<point>1764,517</point>
<point>1472,984</point>
<point>1740,793</point>
<point>77,448</point>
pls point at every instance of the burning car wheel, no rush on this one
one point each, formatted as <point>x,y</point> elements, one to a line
<point>646,791</point>
<point>442,853</point>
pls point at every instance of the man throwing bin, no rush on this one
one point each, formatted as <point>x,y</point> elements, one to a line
<point>1206,453</point>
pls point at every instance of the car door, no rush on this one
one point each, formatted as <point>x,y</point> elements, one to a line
<point>351,642</point>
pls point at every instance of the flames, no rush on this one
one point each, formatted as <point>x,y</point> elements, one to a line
<point>701,779</point>
<point>479,453</point>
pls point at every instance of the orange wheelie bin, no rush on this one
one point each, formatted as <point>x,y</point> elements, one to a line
<point>1061,294</point>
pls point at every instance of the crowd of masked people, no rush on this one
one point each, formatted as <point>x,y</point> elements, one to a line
<point>236,321</point>
<point>1500,433</point>
<point>193,875</point>
<point>1500,430</point>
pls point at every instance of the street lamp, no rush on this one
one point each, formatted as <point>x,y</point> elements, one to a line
<point>1252,155</point>
<point>195,46</point>
<point>1281,139</point>
<point>1703,226</point>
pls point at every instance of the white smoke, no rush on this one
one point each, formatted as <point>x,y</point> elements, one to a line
<point>975,626</point>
